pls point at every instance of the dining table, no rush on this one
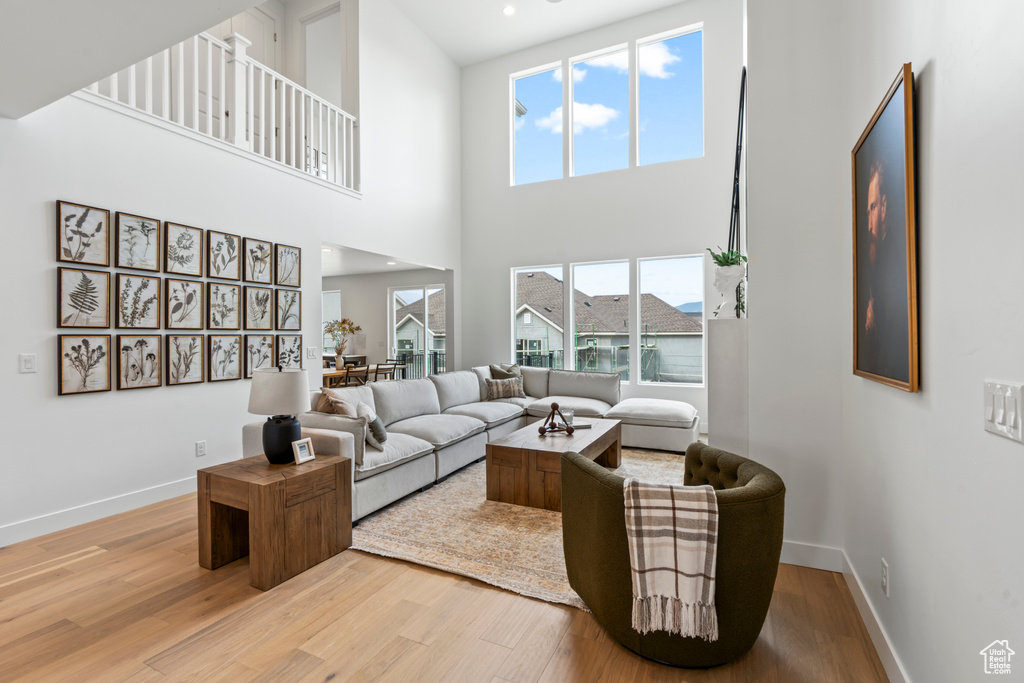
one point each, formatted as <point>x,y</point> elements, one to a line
<point>336,378</point>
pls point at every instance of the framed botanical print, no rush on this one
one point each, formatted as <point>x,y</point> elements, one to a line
<point>885,344</point>
<point>222,255</point>
<point>82,234</point>
<point>183,250</point>
<point>259,308</point>
<point>83,298</point>
<point>287,265</point>
<point>184,304</point>
<point>259,353</point>
<point>257,261</point>
<point>138,361</point>
<point>289,309</point>
<point>289,351</point>
<point>138,302</point>
<point>84,363</point>
<point>223,304</point>
<point>185,359</point>
<point>225,357</point>
<point>138,242</point>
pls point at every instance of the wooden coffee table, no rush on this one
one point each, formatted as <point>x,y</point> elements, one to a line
<point>525,468</point>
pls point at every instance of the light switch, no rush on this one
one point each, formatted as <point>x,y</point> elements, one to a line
<point>27,362</point>
<point>989,403</point>
<point>311,352</point>
<point>1011,412</point>
<point>1002,410</point>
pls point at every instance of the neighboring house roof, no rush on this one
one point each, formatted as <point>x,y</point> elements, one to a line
<point>415,310</point>
<point>606,314</point>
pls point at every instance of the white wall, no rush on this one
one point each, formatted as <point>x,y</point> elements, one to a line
<point>926,487</point>
<point>323,57</point>
<point>72,451</point>
<point>665,209</point>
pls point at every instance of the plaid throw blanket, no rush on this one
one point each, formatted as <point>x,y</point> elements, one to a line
<point>673,541</point>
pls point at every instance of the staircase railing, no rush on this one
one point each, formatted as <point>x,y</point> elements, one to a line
<point>214,88</point>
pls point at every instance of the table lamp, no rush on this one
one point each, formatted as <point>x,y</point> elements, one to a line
<point>281,394</point>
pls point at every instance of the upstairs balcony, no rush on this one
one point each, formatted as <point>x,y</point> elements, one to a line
<point>215,90</point>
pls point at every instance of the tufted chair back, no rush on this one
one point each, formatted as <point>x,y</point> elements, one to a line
<point>751,505</point>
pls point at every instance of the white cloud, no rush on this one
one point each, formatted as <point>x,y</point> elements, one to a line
<point>617,60</point>
<point>584,116</point>
<point>578,74</point>
<point>654,58</point>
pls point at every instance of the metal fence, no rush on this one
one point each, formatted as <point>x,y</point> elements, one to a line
<point>541,359</point>
<point>419,364</point>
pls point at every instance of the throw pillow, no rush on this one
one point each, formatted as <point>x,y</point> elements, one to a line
<point>332,402</point>
<point>505,371</point>
<point>505,388</point>
<point>376,435</point>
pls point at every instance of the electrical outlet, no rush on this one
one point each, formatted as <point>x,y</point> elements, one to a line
<point>27,362</point>
<point>885,577</point>
<point>200,449</point>
<point>311,352</point>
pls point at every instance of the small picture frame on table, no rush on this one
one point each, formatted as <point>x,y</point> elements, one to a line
<point>303,450</point>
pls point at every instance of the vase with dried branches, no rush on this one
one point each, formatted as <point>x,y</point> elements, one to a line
<point>339,331</point>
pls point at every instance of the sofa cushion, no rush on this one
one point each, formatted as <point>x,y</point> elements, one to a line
<point>505,388</point>
<point>603,386</point>
<point>376,435</point>
<point>521,401</point>
<point>505,371</point>
<point>401,399</point>
<point>353,395</point>
<point>535,380</point>
<point>455,388</point>
<point>492,413</point>
<point>483,373</point>
<point>582,407</point>
<point>332,402</point>
<point>439,430</point>
<point>398,449</point>
<point>654,412</point>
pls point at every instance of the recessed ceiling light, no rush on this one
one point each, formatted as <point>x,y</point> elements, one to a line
<point>509,10</point>
<point>391,263</point>
<point>554,1</point>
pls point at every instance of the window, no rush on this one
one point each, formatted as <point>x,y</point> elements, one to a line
<point>418,335</point>
<point>670,98</point>
<point>600,123</point>
<point>330,306</point>
<point>537,316</point>
<point>537,126</point>
<point>601,317</point>
<point>672,319</point>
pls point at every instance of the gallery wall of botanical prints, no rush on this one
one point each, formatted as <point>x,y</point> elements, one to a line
<point>192,292</point>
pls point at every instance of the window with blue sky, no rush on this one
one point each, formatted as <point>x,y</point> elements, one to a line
<point>669,121</point>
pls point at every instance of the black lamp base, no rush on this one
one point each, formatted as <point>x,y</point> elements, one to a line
<point>278,434</point>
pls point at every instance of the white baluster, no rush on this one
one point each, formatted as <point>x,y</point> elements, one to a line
<point>195,84</point>
<point>294,129</point>
<point>179,83</point>
<point>209,88</point>
<point>149,85</point>
<point>222,111</point>
<point>303,142</point>
<point>165,85</point>
<point>113,87</point>
<point>237,67</point>
<point>131,87</point>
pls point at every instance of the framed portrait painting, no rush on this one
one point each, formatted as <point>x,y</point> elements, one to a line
<point>885,344</point>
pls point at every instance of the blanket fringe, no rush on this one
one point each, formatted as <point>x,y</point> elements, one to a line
<point>666,613</point>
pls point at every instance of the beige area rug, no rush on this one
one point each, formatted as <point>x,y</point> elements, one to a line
<point>453,527</point>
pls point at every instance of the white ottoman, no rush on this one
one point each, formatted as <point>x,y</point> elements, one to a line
<point>656,423</point>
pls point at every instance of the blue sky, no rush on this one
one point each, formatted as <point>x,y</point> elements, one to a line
<point>670,121</point>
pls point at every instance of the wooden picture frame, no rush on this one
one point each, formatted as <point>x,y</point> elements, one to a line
<point>137,242</point>
<point>223,255</point>
<point>303,450</point>
<point>139,361</point>
<point>259,353</point>
<point>83,234</point>
<point>258,261</point>
<point>186,359</point>
<point>289,351</point>
<point>223,306</point>
<point>287,309</point>
<point>183,250</point>
<point>137,302</point>
<point>184,304</point>
<point>259,308</point>
<point>225,357</point>
<point>83,363</point>
<point>885,331</point>
<point>287,266</point>
<point>83,298</point>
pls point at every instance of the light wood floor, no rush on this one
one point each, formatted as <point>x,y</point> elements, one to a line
<point>123,599</point>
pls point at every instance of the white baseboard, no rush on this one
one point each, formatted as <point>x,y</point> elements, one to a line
<point>879,638</point>
<point>813,556</point>
<point>23,530</point>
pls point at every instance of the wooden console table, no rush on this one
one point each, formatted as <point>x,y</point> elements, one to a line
<point>287,518</point>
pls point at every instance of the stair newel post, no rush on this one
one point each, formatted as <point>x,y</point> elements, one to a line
<point>238,64</point>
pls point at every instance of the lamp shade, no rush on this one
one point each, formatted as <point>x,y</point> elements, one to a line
<point>279,392</point>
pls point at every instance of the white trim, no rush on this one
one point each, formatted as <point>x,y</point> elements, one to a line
<point>668,35</point>
<point>213,142</point>
<point>813,556</point>
<point>512,78</point>
<point>879,638</point>
<point>34,527</point>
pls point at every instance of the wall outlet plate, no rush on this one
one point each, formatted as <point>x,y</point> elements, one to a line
<point>200,449</point>
<point>1002,410</point>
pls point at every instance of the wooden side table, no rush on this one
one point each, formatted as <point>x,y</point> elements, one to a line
<point>287,518</point>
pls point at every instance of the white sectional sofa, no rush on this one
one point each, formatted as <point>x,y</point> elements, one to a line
<point>440,424</point>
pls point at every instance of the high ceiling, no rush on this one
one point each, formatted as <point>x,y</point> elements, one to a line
<point>472,31</point>
<point>337,260</point>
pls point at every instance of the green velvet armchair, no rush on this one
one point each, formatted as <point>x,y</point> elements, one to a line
<point>751,503</point>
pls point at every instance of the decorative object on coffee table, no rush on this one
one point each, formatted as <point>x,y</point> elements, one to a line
<point>549,424</point>
<point>282,394</point>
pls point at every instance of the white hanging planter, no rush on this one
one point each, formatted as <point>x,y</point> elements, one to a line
<point>727,279</point>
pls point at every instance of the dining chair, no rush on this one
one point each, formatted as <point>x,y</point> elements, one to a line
<point>357,376</point>
<point>384,371</point>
